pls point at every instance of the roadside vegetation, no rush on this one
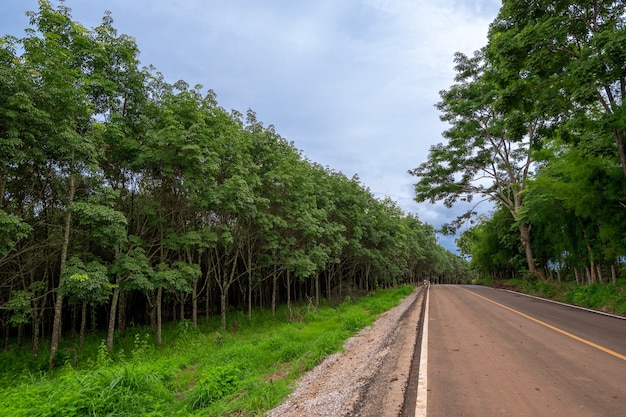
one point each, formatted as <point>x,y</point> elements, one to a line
<point>536,127</point>
<point>127,201</point>
<point>205,371</point>
<point>609,298</point>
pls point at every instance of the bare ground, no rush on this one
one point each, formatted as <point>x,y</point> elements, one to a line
<point>369,378</point>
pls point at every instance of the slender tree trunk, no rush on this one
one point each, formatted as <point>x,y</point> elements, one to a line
<point>289,294</point>
<point>613,275</point>
<point>274,290</point>
<point>592,265</point>
<point>223,308</point>
<point>83,324</point>
<point>36,329</point>
<point>58,305</point>
<point>112,316</point>
<point>328,284</point>
<point>121,316</point>
<point>317,291</point>
<point>182,308</point>
<point>224,287</point>
<point>159,299</point>
<point>20,335</point>
<point>206,304</point>
<point>152,311</point>
<point>194,302</point>
<point>250,297</point>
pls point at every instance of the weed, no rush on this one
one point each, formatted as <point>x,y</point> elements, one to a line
<point>215,384</point>
<point>103,358</point>
<point>185,330</point>
<point>141,347</point>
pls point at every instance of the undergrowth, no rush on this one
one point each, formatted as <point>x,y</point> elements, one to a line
<point>198,372</point>
<point>609,298</point>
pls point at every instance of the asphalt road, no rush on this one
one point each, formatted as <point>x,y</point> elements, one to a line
<point>497,353</point>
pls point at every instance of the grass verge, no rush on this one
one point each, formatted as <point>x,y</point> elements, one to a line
<point>198,372</point>
<point>609,298</point>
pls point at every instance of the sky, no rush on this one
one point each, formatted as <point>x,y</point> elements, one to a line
<point>352,83</point>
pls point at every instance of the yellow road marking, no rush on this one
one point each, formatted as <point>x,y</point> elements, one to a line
<point>556,329</point>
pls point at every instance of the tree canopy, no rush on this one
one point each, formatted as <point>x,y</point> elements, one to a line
<point>537,122</point>
<point>127,198</point>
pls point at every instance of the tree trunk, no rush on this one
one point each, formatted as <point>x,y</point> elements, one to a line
<point>152,313</point>
<point>223,308</point>
<point>613,274</point>
<point>159,298</point>
<point>328,283</point>
<point>528,250</point>
<point>112,316</point>
<point>592,265</point>
<point>58,305</point>
<point>194,302</point>
<point>73,323</point>
<point>121,316</point>
<point>36,329</point>
<point>182,308</point>
<point>20,335</point>
<point>274,290</point>
<point>289,295</point>
<point>83,324</point>
<point>250,297</point>
<point>206,304</point>
<point>317,291</point>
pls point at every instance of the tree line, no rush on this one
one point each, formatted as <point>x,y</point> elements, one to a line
<point>536,125</point>
<point>127,199</point>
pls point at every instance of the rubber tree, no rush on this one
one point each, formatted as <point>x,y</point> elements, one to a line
<point>85,284</point>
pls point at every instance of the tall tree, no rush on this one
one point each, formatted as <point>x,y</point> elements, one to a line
<point>575,49</point>
<point>489,148</point>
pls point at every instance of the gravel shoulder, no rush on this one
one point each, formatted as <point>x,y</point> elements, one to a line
<point>369,378</point>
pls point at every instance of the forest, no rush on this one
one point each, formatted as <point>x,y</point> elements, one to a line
<point>126,200</point>
<point>536,123</point>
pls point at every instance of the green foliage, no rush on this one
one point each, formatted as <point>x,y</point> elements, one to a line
<point>104,357</point>
<point>215,384</point>
<point>106,226</point>
<point>607,297</point>
<point>248,371</point>
<point>114,179</point>
<point>604,297</point>
<point>85,282</point>
<point>12,230</point>
<point>185,330</point>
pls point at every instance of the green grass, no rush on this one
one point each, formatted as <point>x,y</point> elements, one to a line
<point>609,298</point>
<point>198,372</point>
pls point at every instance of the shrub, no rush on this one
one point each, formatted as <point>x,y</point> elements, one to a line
<point>215,384</point>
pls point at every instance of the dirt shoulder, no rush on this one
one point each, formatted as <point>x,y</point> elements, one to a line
<point>369,378</point>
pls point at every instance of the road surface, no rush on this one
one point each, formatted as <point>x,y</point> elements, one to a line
<point>497,353</point>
